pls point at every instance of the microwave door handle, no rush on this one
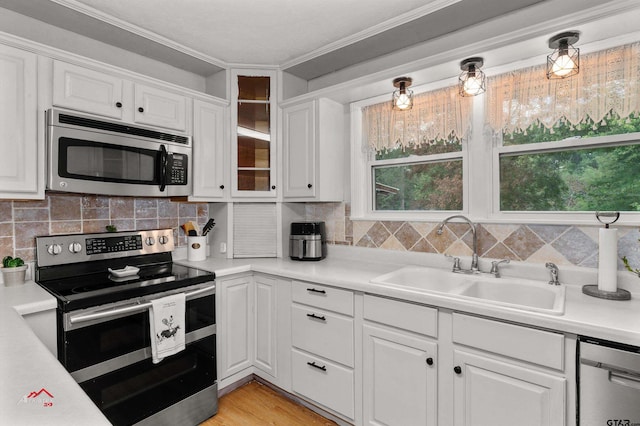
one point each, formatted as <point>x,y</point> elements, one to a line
<point>164,156</point>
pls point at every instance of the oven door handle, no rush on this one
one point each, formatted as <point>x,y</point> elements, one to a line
<point>138,307</point>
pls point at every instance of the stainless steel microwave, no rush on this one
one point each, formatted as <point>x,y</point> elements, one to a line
<point>95,156</point>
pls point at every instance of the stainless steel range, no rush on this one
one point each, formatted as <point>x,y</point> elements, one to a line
<point>105,284</point>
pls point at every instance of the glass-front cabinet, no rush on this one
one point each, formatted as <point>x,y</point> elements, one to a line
<point>253,115</point>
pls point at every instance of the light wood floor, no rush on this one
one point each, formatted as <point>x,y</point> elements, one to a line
<point>257,404</point>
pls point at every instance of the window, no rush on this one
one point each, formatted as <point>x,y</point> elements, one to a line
<point>569,146</point>
<point>417,156</point>
<point>530,149</point>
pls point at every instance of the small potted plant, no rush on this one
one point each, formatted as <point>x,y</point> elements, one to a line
<point>13,270</point>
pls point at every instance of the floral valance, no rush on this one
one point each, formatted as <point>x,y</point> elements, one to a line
<point>436,115</point>
<point>608,83</point>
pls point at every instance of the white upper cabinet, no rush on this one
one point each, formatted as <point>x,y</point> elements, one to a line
<point>157,107</point>
<point>86,90</point>
<point>22,160</point>
<point>253,118</point>
<point>313,151</point>
<point>94,92</point>
<point>209,160</point>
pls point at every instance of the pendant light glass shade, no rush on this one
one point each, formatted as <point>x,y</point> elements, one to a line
<point>403,97</point>
<point>472,80</point>
<point>564,62</point>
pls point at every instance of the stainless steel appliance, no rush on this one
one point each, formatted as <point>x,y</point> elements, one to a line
<point>307,241</point>
<point>103,325</point>
<point>93,156</point>
<point>609,383</point>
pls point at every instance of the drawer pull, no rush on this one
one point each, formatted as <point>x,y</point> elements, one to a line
<point>319,367</point>
<point>315,290</point>
<point>318,317</point>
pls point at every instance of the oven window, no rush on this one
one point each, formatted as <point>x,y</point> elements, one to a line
<point>106,162</point>
<point>96,343</point>
<point>131,394</point>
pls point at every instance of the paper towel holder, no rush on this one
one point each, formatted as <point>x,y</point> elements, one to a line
<point>606,218</point>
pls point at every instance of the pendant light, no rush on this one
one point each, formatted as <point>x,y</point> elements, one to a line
<point>564,62</point>
<point>472,80</point>
<point>403,97</point>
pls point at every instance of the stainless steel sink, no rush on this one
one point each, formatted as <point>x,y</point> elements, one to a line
<point>516,293</point>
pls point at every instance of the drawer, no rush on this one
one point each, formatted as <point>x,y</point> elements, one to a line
<point>330,298</point>
<point>324,382</point>
<point>408,316</point>
<point>323,333</point>
<point>527,344</point>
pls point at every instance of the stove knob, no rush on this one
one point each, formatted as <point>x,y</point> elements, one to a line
<point>54,249</point>
<point>150,241</point>
<point>75,247</point>
<point>163,239</point>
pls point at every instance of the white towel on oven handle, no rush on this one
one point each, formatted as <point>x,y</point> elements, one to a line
<point>167,326</point>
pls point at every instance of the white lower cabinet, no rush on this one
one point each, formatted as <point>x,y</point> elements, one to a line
<point>400,363</point>
<point>324,382</point>
<point>235,335</point>
<point>489,391</point>
<point>323,353</point>
<point>265,323</point>
<point>506,374</point>
<point>399,378</point>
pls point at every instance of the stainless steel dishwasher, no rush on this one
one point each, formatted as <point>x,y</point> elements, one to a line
<point>609,384</point>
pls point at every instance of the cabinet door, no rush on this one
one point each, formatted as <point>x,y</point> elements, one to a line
<point>265,324</point>
<point>300,150</point>
<point>208,150</point>
<point>86,90</point>
<point>489,391</point>
<point>19,171</point>
<point>157,107</point>
<point>399,378</point>
<point>234,325</point>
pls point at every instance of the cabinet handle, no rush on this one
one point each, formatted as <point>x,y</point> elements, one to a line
<point>221,186</point>
<point>118,104</point>
<point>140,109</point>
<point>319,367</point>
<point>273,187</point>
<point>315,290</point>
<point>309,186</point>
<point>314,316</point>
<point>429,361</point>
<point>457,369</point>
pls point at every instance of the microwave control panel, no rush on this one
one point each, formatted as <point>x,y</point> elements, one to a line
<point>177,169</point>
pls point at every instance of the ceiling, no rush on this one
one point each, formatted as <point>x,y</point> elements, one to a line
<point>306,38</point>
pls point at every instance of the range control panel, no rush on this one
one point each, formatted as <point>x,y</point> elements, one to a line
<point>74,248</point>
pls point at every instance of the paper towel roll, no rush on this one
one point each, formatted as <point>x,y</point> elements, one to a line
<point>608,260</point>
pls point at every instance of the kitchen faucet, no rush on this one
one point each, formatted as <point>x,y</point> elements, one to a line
<point>474,257</point>
<point>553,270</point>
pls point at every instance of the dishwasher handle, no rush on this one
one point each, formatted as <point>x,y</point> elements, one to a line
<point>629,380</point>
<point>138,307</point>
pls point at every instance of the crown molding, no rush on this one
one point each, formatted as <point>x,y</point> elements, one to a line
<point>427,9</point>
<point>149,35</point>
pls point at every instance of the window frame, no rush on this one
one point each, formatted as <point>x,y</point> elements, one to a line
<point>363,162</point>
<point>481,184</point>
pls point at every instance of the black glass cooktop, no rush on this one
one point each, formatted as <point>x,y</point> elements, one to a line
<point>94,285</point>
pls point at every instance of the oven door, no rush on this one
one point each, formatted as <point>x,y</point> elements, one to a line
<point>107,350</point>
<point>99,163</point>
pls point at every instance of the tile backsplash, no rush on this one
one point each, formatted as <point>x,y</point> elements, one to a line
<point>561,244</point>
<point>22,221</point>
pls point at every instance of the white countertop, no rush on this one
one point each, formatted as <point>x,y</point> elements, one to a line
<point>27,366</point>
<point>584,315</point>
